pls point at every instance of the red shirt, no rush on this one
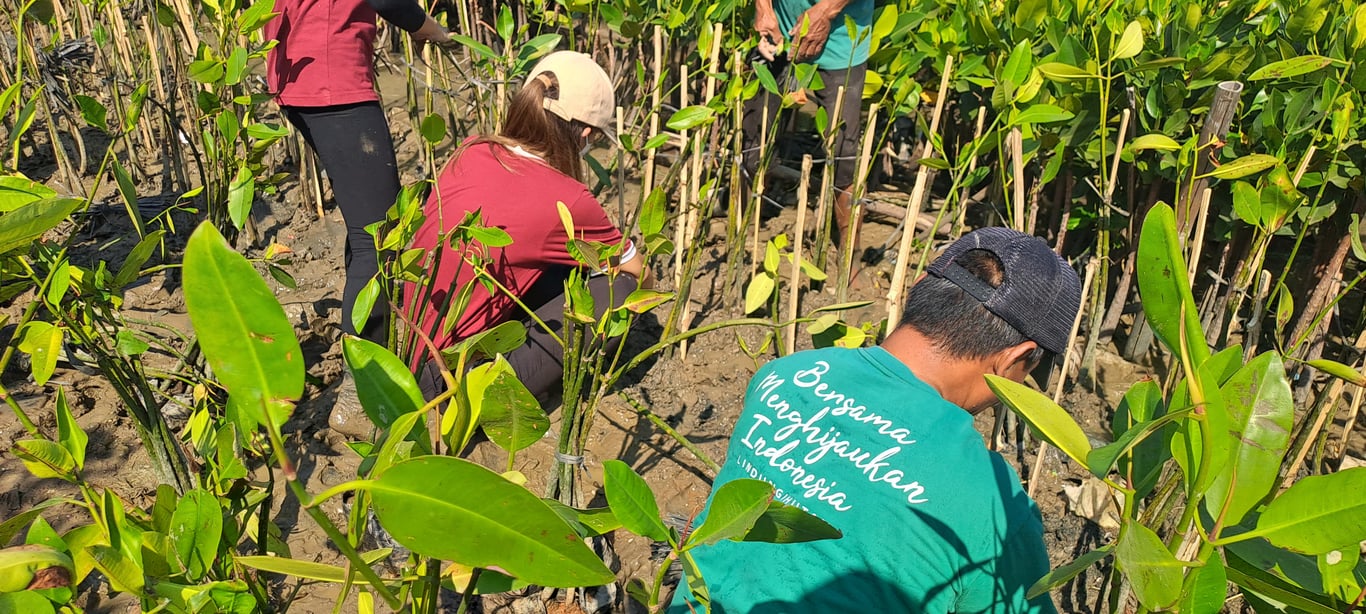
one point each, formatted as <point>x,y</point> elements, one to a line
<point>517,193</point>
<point>324,54</point>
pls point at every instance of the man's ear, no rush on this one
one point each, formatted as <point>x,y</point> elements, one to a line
<point>1013,362</point>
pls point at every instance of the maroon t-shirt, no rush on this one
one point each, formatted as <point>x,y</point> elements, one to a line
<point>323,57</point>
<point>517,193</point>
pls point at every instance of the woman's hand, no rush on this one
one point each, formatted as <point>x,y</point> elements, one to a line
<point>430,32</point>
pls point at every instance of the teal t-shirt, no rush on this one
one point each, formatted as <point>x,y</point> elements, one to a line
<point>932,520</point>
<point>840,51</point>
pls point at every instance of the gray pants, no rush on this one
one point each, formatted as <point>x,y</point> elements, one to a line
<point>848,127</point>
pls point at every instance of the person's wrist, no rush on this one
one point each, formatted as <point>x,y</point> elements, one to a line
<point>826,10</point>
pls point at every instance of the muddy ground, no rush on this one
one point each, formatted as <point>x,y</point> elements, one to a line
<point>700,395</point>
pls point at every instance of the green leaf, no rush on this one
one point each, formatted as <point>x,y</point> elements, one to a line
<point>735,507</point>
<point>43,343</point>
<point>385,386</point>
<point>1145,459</point>
<point>15,524</point>
<point>132,265</point>
<point>1058,71</point>
<point>1247,203</point>
<point>1338,370</point>
<point>1244,166</point>
<point>788,524</point>
<point>1315,515</point>
<point>365,303</point>
<point>1130,43</point>
<point>258,14</point>
<point>307,570</point>
<point>1258,582</point>
<point>1206,588</point>
<point>69,433</point>
<point>196,528</point>
<point>236,66</point>
<point>1156,140</point>
<point>248,340</point>
<point>123,573</point>
<point>455,510</point>
<point>1278,197</point>
<point>1019,64</point>
<point>1292,67</point>
<point>45,459</point>
<point>632,501</point>
<point>1155,574</point>
<point>653,213</point>
<point>1044,416</point>
<point>643,300</point>
<point>1041,114</point>
<point>129,194</point>
<point>766,78</point>
<point>24,602</point>
<point>241,193</point>
<point>93,112</point>
<point>22,226</point>
<point>207,71</point>
<point>759,290</point>
<point>17,190</point>
<point>505,25</point>
<point>691,117</point>
<point>1063,574</point>
<point>510,414</point>
<point>1260,410</point>
<point>490,236</point>
<point>1164,287</point>
<point>433,128</point>
<point>935,163</point>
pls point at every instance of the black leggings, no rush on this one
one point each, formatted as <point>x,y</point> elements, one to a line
<point>539,363</point>
<point>356,150</point>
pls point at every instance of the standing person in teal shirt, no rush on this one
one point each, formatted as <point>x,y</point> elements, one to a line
<point>811,32</point>
<point>879,442</point>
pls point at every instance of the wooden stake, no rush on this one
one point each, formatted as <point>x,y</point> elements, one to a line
<point>1062,374</point>
<point>858,190</point>
<point>759,181</point>
<point>898,288</point>
<point>795,281</point>
<point>972,166</point>
<point>1198,241</point>
<point>648,181</point>
<point>1016,142</point>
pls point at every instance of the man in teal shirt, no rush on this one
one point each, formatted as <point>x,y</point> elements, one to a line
<point>811,32</point>
<point>879,442</point>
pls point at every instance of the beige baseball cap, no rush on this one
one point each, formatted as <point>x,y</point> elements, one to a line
<point>585,90</point>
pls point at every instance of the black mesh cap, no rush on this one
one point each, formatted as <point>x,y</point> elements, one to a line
<point>1039,293</point>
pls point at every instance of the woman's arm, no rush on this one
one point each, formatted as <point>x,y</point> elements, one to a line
<point>409,16</point>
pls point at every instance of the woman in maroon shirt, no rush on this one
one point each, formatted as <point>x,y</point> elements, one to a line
<point>322,76</point>
<point>516,179</point>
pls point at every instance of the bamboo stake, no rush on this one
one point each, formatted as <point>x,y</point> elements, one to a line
<point>859,188</point>
<point>795,281</point>
<point>1327,411</point>
<point>827,191</point>
<point>682,223</point>
<point>1062,374</point>
<point>759,181</point>
<point>1015,140</point>
<point>1351,423</point>
<point>648,181</point>
<point>898,287</point>
<point>1198,242</point>
<point>972,166</point>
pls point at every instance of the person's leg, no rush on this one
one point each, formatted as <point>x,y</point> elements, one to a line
<point>355,148</point>
<point>752,125</point>
<point>849,131</point>
<point>540,362</point>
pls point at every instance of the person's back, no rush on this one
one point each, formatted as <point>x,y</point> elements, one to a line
<point>926,510</point>
<point>879,442</point>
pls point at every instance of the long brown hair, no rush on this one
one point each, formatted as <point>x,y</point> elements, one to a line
<point>539,131</point>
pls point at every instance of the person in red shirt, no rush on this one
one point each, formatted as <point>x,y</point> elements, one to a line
<point>516,180</point>
<point>323,78</point>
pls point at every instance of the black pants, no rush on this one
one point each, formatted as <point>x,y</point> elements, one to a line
<point>353,143</point>
<point>848,128</point>
<point>539,362</point>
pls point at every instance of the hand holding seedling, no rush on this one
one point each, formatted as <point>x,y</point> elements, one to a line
<point>431,32</point>
<point>813,29</point>
<point>770,33</point>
